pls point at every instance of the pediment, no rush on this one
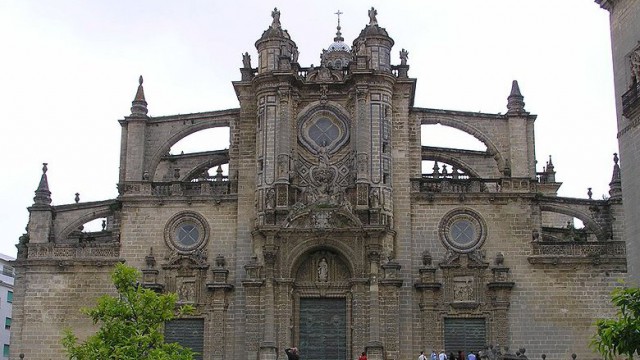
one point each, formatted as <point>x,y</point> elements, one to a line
<point>323,217</point>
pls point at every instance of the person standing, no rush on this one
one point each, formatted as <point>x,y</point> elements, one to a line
<point>422,356</point>
<point>292,353</point>
<point>471,356</point>
<point>442,355</point>
<point>434,355</point>
<point>363,356</point>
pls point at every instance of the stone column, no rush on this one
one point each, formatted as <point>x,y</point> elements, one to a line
<point>374,348</point>
<point>268,348</point>
<point>429,290</point>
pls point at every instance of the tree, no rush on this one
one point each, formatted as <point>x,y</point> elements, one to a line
<point>130,324</point>
<point>620,336</point>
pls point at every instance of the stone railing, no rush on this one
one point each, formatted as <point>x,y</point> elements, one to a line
<point>59,252</point>
<point>597,252</point>
<point>454,186</point>
<point>178,188</point>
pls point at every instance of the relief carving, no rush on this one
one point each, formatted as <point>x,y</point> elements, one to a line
<point>463,289</point>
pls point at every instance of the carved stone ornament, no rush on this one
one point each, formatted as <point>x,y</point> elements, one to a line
<point>634,62</point>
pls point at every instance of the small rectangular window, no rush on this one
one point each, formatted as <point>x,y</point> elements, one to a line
<point>7,323</point>
<point>5,350</point>
<point>10,296</point>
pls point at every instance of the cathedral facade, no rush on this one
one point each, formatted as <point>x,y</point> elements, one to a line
<point>326,233</point>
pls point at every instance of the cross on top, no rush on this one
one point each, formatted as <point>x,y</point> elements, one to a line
<point>339,13</point>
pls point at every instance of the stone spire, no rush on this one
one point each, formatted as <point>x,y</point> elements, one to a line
<point>43,195</point>
<point>550,170</point>
<point>515,101</point>
<point>615,186</point>
<point>139,104</point>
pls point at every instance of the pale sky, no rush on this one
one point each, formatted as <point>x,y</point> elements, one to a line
<point>69,71</point>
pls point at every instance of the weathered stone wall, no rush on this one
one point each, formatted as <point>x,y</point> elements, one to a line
<point>553,307</point>
<point>625,37</point>
<point>48,301</point>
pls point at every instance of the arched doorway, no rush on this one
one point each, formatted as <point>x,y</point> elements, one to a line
<point>322,306</point>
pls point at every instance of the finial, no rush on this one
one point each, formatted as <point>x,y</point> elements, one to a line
<point>615,186</point>
<point>550,171</point>
<point>338,33</point>
<point>150,259</point>
<point>589,193</point>
<point>436,170</point>
<point>43,195</point>
<point>275,14</point>
<point>139,103</point>
<point>77,199</point>
<point>373,20</point>
<point>515,101</point>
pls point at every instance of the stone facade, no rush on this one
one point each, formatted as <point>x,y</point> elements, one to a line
<point>625,43</point>
<point>326,234</point>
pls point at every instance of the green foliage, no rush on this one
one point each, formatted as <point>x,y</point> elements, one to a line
<point>130,324</point>
<point>620,336</point>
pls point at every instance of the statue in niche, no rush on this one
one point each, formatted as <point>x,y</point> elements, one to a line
<point>374,199</point>
<point>294,55</point>
<point>270,199</point>
<point>323,270</point>
<point>246,60</point>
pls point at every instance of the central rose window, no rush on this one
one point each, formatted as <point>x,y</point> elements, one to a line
<point>324,128</point>
<point>323,132</point>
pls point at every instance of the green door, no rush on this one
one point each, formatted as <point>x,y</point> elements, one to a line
<point>323,329</point>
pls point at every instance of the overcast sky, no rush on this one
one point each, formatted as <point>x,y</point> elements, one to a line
<point>69,70</point>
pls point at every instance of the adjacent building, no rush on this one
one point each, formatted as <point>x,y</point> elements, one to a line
<point>325,233</point>
<point>7,275</point>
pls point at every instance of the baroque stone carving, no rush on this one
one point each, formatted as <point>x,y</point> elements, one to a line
<point>634,61</point>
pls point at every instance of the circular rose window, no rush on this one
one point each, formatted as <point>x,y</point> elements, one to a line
<point>323,129</point>
<point>462,230</point>
<point>186,232</point>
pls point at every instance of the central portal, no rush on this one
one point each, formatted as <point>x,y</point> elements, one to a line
<point>323,328</point>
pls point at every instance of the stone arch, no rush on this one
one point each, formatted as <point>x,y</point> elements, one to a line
<point>173,139</point>
<point>454,161</point>
<point>586,219</point>
<point>298,254</point>
<point>220,158</point>
<point>83,219</point>
<point>492,149</point>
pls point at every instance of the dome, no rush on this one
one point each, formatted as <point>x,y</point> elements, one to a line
<point>339,46</point>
